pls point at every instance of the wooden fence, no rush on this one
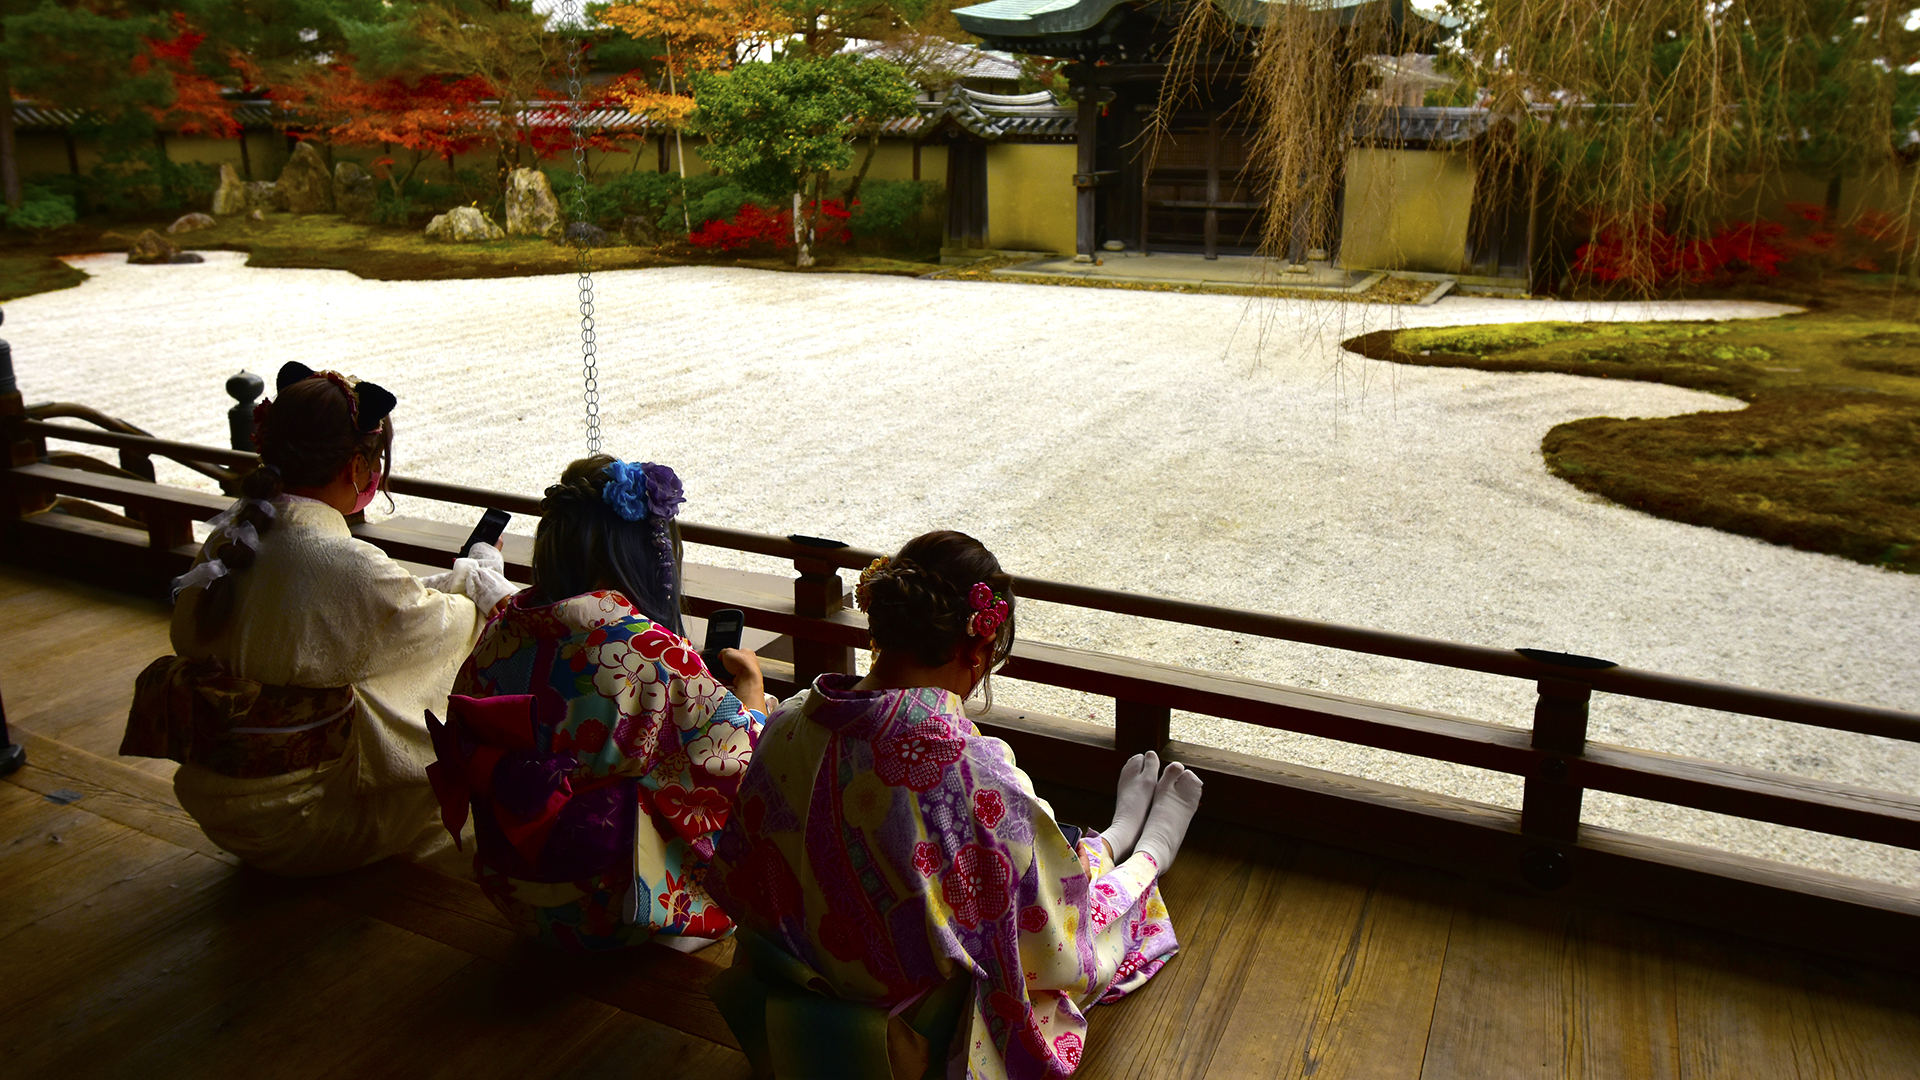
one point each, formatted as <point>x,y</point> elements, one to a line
<point>1544,846</point>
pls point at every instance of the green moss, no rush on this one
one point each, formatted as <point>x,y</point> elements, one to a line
<point>23,274</point>
<point>1825,458</point>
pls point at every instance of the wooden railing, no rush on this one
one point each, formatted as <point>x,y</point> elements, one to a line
<point>1545,845</point>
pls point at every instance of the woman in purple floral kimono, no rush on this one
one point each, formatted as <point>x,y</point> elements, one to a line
<point>598,753</point>
<point>887,848</point>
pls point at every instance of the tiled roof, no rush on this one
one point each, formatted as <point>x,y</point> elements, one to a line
<point>1426,125</point>
<point>1042,18</point>
<point>994,117</point>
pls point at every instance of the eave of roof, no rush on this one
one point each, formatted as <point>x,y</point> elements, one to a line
<point>1043,18</point>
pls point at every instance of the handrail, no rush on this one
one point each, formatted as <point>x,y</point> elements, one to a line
<point>1629,682</point>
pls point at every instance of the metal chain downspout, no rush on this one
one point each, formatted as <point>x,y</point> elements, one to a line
<point>576,123</point>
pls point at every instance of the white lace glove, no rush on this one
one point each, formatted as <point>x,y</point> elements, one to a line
<point>480,576</point>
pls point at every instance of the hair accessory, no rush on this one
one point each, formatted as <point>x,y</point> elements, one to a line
<point>863,592</point>
<point>367,403</point>
<point>989,611</point>
<point>232,513</point>
<point>642,491</point>
<point>203,574</point>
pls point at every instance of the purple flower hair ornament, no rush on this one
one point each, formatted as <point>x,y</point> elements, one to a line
<point>642,491</point>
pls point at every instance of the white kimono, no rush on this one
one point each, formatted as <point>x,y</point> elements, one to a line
<point>319,608</point>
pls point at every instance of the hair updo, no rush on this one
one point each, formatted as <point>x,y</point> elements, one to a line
<point>920,601</point>
<point>584,544</point>
<point>306,436</point>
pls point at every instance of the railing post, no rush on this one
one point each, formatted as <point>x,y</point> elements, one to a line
<point>11,756</point>
<point>1138,728</point>
<point>243,387</point>
<point>817,594</point>
<point>1550,807</point>
<point>15,502</point>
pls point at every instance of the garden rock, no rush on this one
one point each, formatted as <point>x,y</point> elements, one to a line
<point>587,234</point>
<point>263,195</point>
<point>531,208</point>
<point>354,192</point>
<point>639,230</point>
<point>231,196</point>
<point>463,224</point>
<point>306,183</point>
<point>150,248</point>
<point>190,222</point>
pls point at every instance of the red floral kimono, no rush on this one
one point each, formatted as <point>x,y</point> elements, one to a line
<point>600,758</point>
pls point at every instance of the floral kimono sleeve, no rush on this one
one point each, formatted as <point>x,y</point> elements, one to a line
<point>1086,930</point>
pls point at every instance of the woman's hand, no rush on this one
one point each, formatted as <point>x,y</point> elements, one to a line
<point>748,684</point>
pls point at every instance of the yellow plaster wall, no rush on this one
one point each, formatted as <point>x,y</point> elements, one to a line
<point>1407,210</point>
<point>1030,196</point>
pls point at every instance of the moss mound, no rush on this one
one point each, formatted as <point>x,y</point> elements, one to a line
<point>1825,458</point>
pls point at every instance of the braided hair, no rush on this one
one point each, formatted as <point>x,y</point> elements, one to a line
<point>920,600</point>
<point>305,436</point>
<point>583,543</point>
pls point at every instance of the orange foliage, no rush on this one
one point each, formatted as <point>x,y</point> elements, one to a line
<point>197,108</point>
<point>700,35</point>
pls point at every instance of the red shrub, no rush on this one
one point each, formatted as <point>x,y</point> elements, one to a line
<point>758,225</point>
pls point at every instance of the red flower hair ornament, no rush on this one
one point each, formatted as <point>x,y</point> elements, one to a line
<point>989,611</point>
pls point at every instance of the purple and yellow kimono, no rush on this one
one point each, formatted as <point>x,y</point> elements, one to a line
<point>600,758</point>
<point>885,844</point>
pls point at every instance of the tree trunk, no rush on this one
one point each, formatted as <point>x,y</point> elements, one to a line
<point>679,149</point>
<point>9,160</point>
<point>853,188</point>
<point>802,234</point>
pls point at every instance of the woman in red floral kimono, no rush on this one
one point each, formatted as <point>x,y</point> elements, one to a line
<point>883,849</point>
<point>597,751</point>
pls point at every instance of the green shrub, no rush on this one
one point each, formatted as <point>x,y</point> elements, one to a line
<point>888,207</point>
<point>138,184</point>
<point>40,210</point>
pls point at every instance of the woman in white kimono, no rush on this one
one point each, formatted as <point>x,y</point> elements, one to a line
<point>307,658</point>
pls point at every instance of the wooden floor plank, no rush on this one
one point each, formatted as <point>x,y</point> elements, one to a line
<point>1746,1012</point>
<point>120,854</point>
<point>311,1015</point>
<point>1497,1011</point>
<point>650,980</point>
<point>148,986</point>
<point>1618,978</point>
<point>627,1045</point>
<point>113,791</point>
<point>1871,1020</point>
<point>1218,895</point>
<point>1344,984</point>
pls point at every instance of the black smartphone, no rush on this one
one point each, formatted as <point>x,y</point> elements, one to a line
<point>723,632</point>
<point>492,524</point>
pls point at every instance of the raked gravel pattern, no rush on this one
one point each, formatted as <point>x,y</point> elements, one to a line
<point>1211,448</point>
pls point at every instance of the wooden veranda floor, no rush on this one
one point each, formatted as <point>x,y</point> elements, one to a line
<point>130,946</point>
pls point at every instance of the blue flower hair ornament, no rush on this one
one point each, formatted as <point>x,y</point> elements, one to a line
<point>642,491</point>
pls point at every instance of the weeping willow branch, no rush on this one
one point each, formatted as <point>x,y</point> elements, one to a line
<point>1643,118</point>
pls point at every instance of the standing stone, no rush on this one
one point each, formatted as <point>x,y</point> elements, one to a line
<point>531,208</point>
<point>306,183</point>
<point>354,192</point>
<point>265,195</point>
<point>463,224</point>
<point>231,196</point>
<point>190,222</point>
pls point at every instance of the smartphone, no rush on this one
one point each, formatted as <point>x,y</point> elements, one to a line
<point>492,524</point>
<point>723,632</point>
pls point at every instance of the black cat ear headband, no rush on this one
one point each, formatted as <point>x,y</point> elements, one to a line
<point>367,403</point>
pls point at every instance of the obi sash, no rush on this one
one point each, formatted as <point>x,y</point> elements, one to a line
<point>197,711</point>
<point>534,817</point>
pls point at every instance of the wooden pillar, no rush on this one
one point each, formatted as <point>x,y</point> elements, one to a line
<point>246,158</point>
<point>1213,184</point>
<point>817,593</point>
<point>1084,168</point>
<point>15,501</point>
<point>1550,807</point>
